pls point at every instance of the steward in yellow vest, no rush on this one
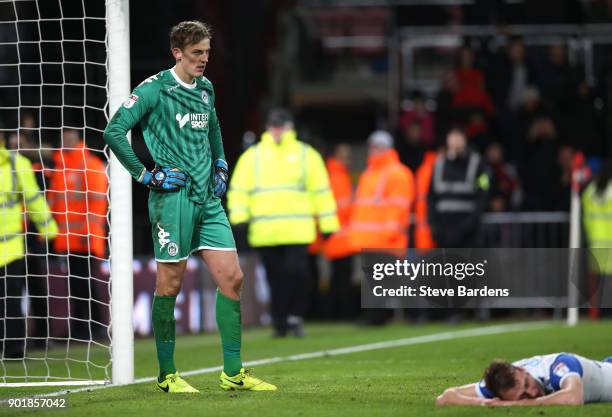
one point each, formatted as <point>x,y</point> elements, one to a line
<point>19,194</point>
<point>597,219</point>
<point>19,197</point>
<point>280,190</point>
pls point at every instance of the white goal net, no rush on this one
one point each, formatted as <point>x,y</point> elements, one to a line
<point>54,293</point>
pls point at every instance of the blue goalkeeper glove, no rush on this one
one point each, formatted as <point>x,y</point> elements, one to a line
<point>163,179</point>
<point>221,177</point>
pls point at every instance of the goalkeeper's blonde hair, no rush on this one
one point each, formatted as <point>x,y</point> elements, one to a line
<point>189,32</point>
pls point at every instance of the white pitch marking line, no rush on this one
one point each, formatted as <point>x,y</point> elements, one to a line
<point>415,340</point>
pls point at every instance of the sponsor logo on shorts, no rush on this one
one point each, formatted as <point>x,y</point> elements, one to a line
<point>129,103</point>
<point>162,237</point>
<point>198,120</point>
<point>173,249</point>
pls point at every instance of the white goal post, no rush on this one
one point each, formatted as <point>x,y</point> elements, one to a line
<point>64,71</point>
<point>122,332</point>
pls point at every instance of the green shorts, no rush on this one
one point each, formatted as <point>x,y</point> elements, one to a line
<point>180,227</point>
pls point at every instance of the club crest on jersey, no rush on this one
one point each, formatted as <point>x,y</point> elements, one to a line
<point>561,369</point>
<point>205,97</point>
<point>198,120</point>
<point>129,103</point>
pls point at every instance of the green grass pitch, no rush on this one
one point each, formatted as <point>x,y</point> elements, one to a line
<point>398,381</point>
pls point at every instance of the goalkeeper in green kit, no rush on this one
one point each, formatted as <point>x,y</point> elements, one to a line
<point>176,110</point>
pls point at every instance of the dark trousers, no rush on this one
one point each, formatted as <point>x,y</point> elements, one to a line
<point>340,290</point>
<point>37,261</point>
<point>314,306</point>
<point>12,321</point>
<point>31,271</point>
<point>84,308</point>
<point>287,273</point>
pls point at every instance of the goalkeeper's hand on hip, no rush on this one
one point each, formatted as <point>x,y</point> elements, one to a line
<point>221,177</point>
<point>163,179</point>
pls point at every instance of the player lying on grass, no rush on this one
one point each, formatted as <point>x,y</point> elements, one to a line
<point>176,111</point>
<point>558,378</point>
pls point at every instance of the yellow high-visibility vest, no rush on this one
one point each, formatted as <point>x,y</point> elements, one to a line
<point>281,190</point>
<point>597,220</point>
<point>19,190</point>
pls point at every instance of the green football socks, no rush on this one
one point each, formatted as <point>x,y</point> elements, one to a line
<point>164,328</point>
<point>230,327</point>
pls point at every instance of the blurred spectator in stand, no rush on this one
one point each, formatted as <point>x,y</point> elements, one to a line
<point>28,125</point>
<point>279,192</point>
<point>531,108</point>
<point>445,112</point>
<point>539,168</point>
<point>338,248</point>
<point>248,139</point>
<point>416,111</point>
<point>556,78</point>
<point>508,75</point>
<point>583,120</point>
<point>505,194</point>
<point>458,194</point>
<point>471,93</point>
<point>78,198</point>
<point>37,151</point>
<point>411,146</point>
<point>37,250</point>
<point>457,198</point>
<point>383,201</point>
<point>477,131</point>
<point>21,198</point>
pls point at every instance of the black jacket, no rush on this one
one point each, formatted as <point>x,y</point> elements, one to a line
<point>457,198</point>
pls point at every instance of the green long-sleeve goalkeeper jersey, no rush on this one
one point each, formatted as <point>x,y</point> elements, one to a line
<point>180,127</point>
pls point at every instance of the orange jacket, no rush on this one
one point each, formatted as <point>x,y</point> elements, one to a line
<point>381,211</point>
<point>338,245</point>
<point>316,246</point>
<point>422,232</point>
<point>78,199</point>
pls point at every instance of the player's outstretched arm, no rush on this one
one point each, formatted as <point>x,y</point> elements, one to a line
<point>463,395</point>
<point>571,393</point>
